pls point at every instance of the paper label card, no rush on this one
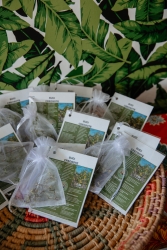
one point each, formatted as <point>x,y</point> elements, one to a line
<point>82,93</point>
<point>82,130</point>
<point>15,100</point>
<point>125,109</point>
<point>72,147</point>
<point>141,164</point>
<point>7,133</point>
<point>3,200</point>
<point>149,140</point>
<point>53,105</point>
<point>76,173</point>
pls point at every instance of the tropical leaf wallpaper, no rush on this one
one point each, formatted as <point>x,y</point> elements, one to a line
<point>119,44</point>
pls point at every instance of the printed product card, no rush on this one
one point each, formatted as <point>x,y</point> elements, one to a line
<point>150,140</point>
<point>53,105</point>
<point>82,130</point>
<point>125,109</point>
<point>82,94</point>
<point>141,164</point>
<point>72,147</point>
<point>7,134</point>
<point>3,200</point>
<point>15,100</point>
<point>76,173</point>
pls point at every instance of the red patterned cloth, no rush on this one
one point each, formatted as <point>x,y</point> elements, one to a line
<point>157,125</point>
<point>30,217</point>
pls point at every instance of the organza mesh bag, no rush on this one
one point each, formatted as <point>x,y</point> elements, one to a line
<point>9,116</point>
<point>97,105</point>
<point>41,88</point>
<point>12,156</point>
<point>112,155</point>
<point>34,125</point>
<point>40,184</point>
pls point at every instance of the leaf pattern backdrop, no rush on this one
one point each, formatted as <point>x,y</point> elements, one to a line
<point>120,45</point>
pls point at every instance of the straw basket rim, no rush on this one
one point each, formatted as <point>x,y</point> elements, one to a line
<point>100,226</point>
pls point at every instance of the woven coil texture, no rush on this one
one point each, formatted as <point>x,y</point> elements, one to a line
<point>100,226</point>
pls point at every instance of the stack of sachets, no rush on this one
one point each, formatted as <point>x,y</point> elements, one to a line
<point>72,155</point>
<point>18,133</point>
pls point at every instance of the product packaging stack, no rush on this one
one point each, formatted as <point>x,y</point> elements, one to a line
<point>59,142</point>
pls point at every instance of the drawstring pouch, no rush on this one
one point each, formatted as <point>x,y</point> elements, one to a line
<point>34,125</point>
<point>9,116</point>
<point>40,184</point>
<point>12,156</point>
<point>112,155</point>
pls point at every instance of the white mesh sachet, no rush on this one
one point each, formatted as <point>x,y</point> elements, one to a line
<point>97,105</point>
<point>9,116</point>
<point>12,156</point>
<point>40,184</point>
<point>34,125</point>
<point>112,155</point>
<point>41,88</point>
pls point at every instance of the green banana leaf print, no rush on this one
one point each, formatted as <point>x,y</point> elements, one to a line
<point>110,15</point>
<point>101,70</point>
<point>121,5</point>
<point>16,50</point>
<point>65,36</point>
<point>53,75</point>
<point>119,45</point>
<point>95,33</point>
<point>144,32</point>
<point>33,68</point>
<point>11,5</point>
<point>3,48</point>
<point>10,21</point>
<point>75,76</point>
<point>146,11</point>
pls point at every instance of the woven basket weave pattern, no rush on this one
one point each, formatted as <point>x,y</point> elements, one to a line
<point>100,226</point>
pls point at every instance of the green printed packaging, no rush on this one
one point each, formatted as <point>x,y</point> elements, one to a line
<point>76,172</point>
<point>53,105</point>
<point>15,100</point>
<point>82,131</point>
<point>141,164</point>
<point>82,94</point>
<point>128,110</point>
<point>145,138</point>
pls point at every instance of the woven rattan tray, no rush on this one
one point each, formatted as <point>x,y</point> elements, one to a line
<point>100,226</point>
